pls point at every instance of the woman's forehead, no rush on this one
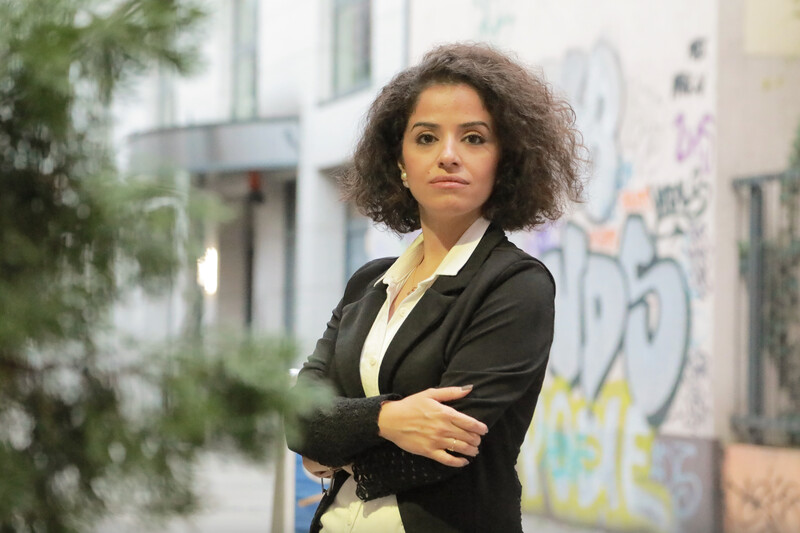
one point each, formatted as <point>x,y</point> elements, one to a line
<point>449,101</point>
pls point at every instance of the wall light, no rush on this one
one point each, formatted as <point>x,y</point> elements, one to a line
<point>207,270</point>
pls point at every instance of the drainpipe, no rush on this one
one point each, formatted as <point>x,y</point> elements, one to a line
<point>254,196</point>
<point>755,266</point>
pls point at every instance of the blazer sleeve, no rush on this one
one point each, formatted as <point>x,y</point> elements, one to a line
<point>332,434</point>
<point>503,353</point>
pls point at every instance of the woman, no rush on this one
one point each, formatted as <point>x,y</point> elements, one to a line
<point>437,357</point>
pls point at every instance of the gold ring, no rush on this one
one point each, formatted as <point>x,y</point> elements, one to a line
<point>452,446</point>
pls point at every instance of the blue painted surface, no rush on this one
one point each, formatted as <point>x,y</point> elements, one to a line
<point>304,486</point>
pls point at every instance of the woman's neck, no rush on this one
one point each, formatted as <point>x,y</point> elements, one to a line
<point>439,236</point>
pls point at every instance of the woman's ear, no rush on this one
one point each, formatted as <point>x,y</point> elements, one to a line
<point>400,166</point>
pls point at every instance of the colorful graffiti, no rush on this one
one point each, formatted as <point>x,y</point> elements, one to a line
<point>595,447</point>
<point>627,360</point>
<point>635,303</point>
<point>695,140</point>
<point>601,463</point>
<point>596,459</point>
<point>593,84</point>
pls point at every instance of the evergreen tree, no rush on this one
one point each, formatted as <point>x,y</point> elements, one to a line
<point>84,431</point>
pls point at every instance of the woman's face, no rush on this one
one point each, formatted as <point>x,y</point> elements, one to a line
<point>450,153</point>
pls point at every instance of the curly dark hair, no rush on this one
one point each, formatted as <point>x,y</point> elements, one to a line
<point>541,154</point>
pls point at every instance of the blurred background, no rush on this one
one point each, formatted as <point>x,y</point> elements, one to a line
<point>672,401</point>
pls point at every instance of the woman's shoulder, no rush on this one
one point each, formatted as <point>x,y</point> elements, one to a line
<point>507,260</point>
<point>374,268</point>
<point>367,275</point>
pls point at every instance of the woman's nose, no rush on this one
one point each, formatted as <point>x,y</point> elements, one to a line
<point>448,157</point>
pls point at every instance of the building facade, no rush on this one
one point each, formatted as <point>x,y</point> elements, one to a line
<point>675,101</point>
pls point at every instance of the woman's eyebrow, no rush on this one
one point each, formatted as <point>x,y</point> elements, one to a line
<point>465,125</point>
<point>475,123</point>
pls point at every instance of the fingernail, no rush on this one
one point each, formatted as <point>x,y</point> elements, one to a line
<point>466,387</point>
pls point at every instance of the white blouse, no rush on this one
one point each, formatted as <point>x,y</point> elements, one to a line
<point>347,513</point>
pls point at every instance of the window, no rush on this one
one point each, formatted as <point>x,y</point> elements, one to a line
<point>351,45</point>
<point>355,242</point>
<point>290,245</point>
<point>166,98</point>
<point>245,58</point>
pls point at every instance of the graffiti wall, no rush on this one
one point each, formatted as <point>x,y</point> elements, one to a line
<point>623,436</point>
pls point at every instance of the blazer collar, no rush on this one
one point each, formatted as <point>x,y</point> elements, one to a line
<point>448,284</point>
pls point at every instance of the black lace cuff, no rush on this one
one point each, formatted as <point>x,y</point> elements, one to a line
<point>387,469</point>
<point>335,434</point>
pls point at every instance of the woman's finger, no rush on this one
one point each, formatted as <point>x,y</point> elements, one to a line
<point>441,456</point>
<point>464,436</point>
<point>467,423</point>
<point>464,448</point>
<point>447,394</point>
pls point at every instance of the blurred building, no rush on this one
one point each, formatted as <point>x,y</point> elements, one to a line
<point>653,371</point>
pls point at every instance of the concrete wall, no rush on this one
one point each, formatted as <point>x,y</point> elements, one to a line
<point>206,96</point>
<point>329,131</point>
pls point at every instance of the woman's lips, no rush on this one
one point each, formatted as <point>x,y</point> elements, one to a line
<point>449,182</point>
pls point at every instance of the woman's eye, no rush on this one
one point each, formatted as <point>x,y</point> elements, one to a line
<point>474,138</point>
<point>425,138</point>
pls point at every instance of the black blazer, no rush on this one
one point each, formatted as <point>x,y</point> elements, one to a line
<point>491,326</point>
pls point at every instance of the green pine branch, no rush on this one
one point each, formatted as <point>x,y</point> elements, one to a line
<point>89,424</point>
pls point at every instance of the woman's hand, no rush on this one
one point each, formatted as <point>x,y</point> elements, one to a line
<point>423,425</point>
<point>318,469</point>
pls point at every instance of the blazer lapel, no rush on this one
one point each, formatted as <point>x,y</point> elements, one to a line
<point>433,304</point>
<point>357,319</point>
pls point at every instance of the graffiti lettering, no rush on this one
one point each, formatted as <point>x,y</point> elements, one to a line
<point>697,48</point>
<point>698,258</point>
<point>638,200</point>
<point>693,408</point>
<point>687,200</point>
<point>669,468</point>
<point>636,304</point>
<point>593,84</point>
<point>656,339</point>
<point>604,239</point>
<point>686,83</point>
<point>697,142</point>
<point>593,461</point>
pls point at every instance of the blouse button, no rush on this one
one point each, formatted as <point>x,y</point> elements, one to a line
<point>373,362</point>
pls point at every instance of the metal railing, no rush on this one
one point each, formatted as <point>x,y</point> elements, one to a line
<point>770,264</point>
